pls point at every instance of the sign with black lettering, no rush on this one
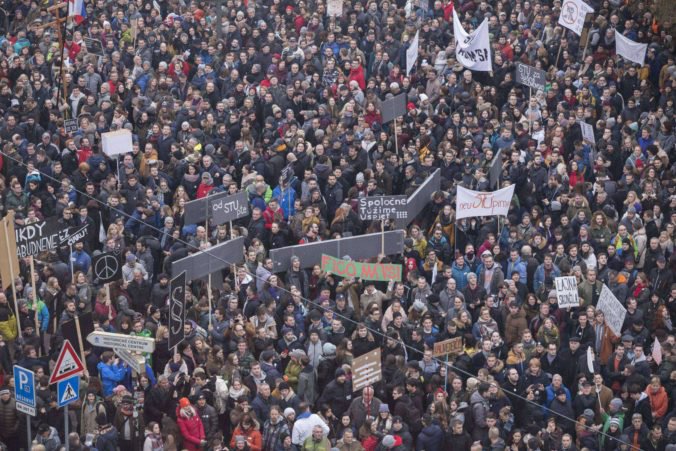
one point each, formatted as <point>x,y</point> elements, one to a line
<point>377,208</point>
<point>33,239</point>
<point>70,125</point>
<point>221,208</point>
<point>530,76</point>
<point>417,201</point>
<point>566,292</point>
<point>177,309</point>
<point>367,369</point>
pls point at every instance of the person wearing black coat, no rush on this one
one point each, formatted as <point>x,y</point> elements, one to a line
<point>431,437</point>
<point>641,405</point>
<point>460,439</point>
<point>562,410</point>
<point>337,394</point>
<point>159,402</point>
<point>400,428</point>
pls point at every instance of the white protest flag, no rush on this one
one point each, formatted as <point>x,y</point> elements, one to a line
<point>628,49</point>
<point>472,50</point>
<point>412,54</point>
<point>471,204</point>
<point>572,15</point>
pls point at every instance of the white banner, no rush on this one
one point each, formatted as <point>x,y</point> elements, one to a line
<point>613,310</point>
<point>566,291</point>
<point>472,50</point>
<point>470,204</point>
<point>573,13</point>
<point>628,49</point>
<point>117,142</point>
<point>588,132</point>
<point>412,54</point>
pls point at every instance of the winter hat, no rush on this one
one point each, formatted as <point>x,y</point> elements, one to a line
<point>388,441</point>
<point>360,177</point>
<point>328,349</point>
<point>101,419</point>
<point>384,408</point>
<point>184,402</point>
<point>588,414</point>
<point>339,372</point>
<point>283,386</point>
<point>289,411</point>
<point>615,421</point>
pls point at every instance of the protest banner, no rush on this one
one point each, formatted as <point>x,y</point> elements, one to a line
<point>613,310</point>
<point>366,370</point>
<point>573,13</point>
<point>365,271</point>
<point>530,76</point>
<point>38,237</point>
<point>417,201</point>
<point>566,291</point>
<point>377,208</point>
<point>222,208</point>
<point>334,8</point>
<point>472,50</point>
<point>93,46</point>
<point>356,247</point>
<point>471,204</point>
<point>630,50</point>
<point>446,347</point>
<point>212,259</point>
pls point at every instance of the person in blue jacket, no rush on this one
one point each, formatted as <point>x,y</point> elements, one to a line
<point>112,372</point>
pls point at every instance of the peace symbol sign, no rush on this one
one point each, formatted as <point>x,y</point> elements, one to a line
<point>106,267</point>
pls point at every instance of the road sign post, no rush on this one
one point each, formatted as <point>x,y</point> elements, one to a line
<point>121,341</point>
<point>67,391</point>
<point>68,364</point>
<point>24,394</point>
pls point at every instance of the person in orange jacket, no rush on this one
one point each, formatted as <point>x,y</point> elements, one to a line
<point>247,429</point>
<point>659,400</point>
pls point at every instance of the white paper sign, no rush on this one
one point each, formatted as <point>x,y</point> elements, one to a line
<point>613,310</point>
<point>566,292</point>
<point>117,142</point>
<point>588,133</point>
<point>470,204</point>
<point>412,54</point>
<point>628,49</point>
<point>334,8</point>
<point>472,50</point>
<point>572,15</point>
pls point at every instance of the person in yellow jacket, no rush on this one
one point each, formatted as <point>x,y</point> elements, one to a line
<point>294,368</point>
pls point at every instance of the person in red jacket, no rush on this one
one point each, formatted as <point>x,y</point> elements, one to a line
<point>192,429</point>
<point>205,186</point>
<point>357,74</point>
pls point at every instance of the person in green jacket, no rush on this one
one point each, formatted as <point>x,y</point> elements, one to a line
<point>317,441</point>
<point>615,416</point>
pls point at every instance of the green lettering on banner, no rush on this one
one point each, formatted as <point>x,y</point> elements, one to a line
<point>366,271</point>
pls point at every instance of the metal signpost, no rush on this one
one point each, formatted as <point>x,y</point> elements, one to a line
<point>24,394</point>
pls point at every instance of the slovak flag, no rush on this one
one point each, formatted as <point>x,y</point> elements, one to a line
<point>76,10</point>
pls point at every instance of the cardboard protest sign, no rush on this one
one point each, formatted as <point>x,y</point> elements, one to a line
<point>566,291</point>
<point>446,347</point>
<point>365,271</point>
<point>212,259</point>
<point>38,237</point>
<point>393,108</point>
<point>613,310</point>
<point>366,370</point>
<point>117,142</point>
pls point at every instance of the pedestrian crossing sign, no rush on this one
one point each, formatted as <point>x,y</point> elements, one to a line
<point>68,390</point>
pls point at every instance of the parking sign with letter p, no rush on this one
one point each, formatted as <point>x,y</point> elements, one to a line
<point>24,390</point>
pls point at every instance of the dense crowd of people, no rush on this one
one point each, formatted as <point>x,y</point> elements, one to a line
<point>277,99</point>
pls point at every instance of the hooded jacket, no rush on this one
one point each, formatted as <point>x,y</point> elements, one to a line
<point>192,429</point>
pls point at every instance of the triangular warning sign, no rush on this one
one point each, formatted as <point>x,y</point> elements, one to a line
<point>68,364</point>
<point>68,394</point>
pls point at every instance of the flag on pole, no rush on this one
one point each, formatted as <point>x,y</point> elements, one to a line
<point>573,13</point>
<point>472,50</point>
<point>630,50</point>
<point>76,10</point>
<point>590,359</point>
<point>657,351</point>
<point>412,53</point>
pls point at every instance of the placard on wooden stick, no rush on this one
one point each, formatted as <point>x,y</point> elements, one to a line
<point>117,142</point>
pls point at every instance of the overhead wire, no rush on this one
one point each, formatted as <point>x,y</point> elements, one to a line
<point>308,301</point>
